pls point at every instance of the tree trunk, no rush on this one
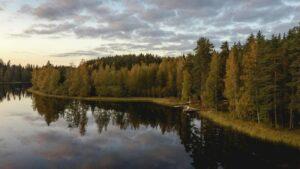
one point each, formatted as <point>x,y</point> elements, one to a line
<point>275,98</point>
<point>257,109</point>
<point>291,119</point>
<point>275,119</point>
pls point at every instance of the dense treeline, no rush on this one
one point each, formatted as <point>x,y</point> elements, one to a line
<point>258,80</point>
<point>14,73</point>
<point>120,61</point>
<point>149,76</point>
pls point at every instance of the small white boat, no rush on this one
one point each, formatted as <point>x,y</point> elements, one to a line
<point>189,109</point>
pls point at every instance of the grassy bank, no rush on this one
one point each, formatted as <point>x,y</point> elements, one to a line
<point>256,130</point>
<point>252,129</point>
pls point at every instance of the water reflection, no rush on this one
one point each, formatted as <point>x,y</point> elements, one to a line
<point>59,133</point>
<point>13,91</point>
<point>74,112</point>
<point>123,115</point>
<point>209,145</point>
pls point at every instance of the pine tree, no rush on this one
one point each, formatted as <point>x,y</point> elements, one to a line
<point>270,76</point>
<point>223,57</point>
<point>213,86</point>
<point>78,82</point>
<point>232,78</point>
<point>224,54</point>
<point>247,104</point>
<point>162,78</point>
<point>201,62</point>
<point>294,71</point>
<point>179,76</point>
<point>171,79</point>
<point>85,81</point>
<point>186,86</point>
<point>53,81</point>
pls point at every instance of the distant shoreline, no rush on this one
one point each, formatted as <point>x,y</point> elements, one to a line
<point>8,83</point>
<point>252,129</point>
<point>162,101</point>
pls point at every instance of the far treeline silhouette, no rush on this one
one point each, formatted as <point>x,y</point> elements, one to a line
<point>258,80</point>
<point>14,73</point>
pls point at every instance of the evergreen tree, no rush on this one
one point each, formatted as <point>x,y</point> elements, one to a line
<point>186,86</point>
<point>247,105</point>
<point>179,76</point>
<point>232,78</point>
<point>224,54</point>
<point>201,61</point>
<point>269,77</point>
<point>78,82</point>
<point>171,79</point>
<point>213,86</point>
<point>53,81</point>
<point>294,72</point>
<point>162,78</point>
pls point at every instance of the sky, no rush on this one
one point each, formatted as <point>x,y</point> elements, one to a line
<point>67,31</point>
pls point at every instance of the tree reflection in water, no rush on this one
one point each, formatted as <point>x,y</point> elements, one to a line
<point>209,145</point>
<point>15,91</point>
<point>123,115</point>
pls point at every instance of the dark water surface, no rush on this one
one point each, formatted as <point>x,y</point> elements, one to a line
<point>39,132</point>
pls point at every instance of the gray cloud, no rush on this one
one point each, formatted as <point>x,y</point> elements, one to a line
<point>50,28</point>
<point>158,23</point>
<point>262,15</point>
<point>25,9</point>
<point>186,5</point>
<point>110,49</point>
<point>157,15</point>
<point>180,37</point>
<point>79,53</point>
<point>3,4</point>
<point>92,32</point>
<point>181,47</point>
<point>104,32</point>
<point>155,33</point>
<point>61,9</point>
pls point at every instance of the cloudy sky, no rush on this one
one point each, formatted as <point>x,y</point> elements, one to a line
<point>65,31</point>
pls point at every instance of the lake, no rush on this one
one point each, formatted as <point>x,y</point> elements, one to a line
<point>40,132</point>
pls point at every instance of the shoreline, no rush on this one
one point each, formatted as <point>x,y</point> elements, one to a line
<point>11,83</point>
<point>171,102</point>
<point>252,129</point>
<point>256,130</point>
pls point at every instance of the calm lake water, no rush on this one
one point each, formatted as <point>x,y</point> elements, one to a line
<point>39,132</point>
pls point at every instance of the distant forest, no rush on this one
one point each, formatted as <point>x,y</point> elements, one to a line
<point>257,80</point>
<point>14,73</point>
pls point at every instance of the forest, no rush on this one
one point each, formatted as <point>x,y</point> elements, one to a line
<point>257,80</point>
<point>14,73</point>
